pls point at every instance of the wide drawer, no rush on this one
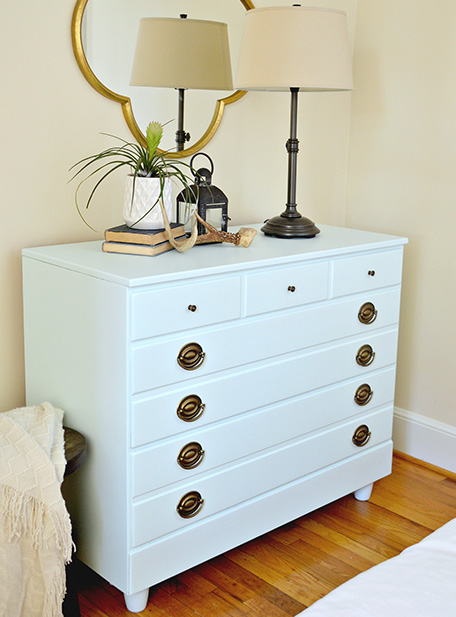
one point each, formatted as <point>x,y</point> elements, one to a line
<point>208,400</point>
<point>287,287</point>
<point>209,494</point>
<point>202,449</point>
<point>194,544</point>
<point>185,306</point>
<point>156,363</point>
<point>368,271</point>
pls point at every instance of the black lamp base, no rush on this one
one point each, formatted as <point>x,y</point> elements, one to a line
<point>285,226</point>
<point>291,224</point>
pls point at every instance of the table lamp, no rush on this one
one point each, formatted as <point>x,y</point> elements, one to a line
<point>293,48</point>
<point>183,54</point>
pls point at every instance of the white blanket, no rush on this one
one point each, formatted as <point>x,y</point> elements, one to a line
<point>35,528</point>
<point>420,582</point>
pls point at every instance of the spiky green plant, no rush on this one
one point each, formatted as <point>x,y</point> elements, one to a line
<point>144,162</point>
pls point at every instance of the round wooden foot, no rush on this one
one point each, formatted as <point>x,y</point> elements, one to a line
<point>363,494</point>
<point>136,602</point>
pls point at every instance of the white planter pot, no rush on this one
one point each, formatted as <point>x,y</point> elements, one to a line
<point>147,192</point>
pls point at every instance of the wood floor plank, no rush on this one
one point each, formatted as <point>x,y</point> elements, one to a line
<point>263,607</point>
<point>241,574</point>
<point>377,528</point>
<point>307,594</point>
<point>303,588</point>
<point>90,608</point>
<point>224,582</point>
<point>114,607</point>
<point>289,561</point>
<point>196,582</point>
<point>327,568</point>
<point>432,474</point>
<point>285,533</point>
<point>419,509</point>
<point>286,603</point>
<point>168,604</point>
<point>423,465</point>
<point>333,542</point>
<point>438,492</point>
<point>261,588</point>
<point>202,605</point>
<point>254,557</point>
<point>283,572</point>
<point>231,606</point>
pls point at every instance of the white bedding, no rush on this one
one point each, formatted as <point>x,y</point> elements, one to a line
<point>420,582</point>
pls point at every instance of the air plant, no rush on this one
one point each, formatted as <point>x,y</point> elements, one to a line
<point>143,161</point>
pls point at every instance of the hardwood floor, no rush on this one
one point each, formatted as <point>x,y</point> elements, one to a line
<point>286,570</point>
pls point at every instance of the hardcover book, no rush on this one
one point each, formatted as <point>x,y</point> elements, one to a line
<point>150,237</point>
<point>136,249</point>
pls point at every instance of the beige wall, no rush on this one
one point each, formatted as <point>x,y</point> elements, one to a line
<point>402,179</point>
<point>51,117</point>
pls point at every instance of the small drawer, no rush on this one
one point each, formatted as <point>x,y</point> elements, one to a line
<point>211,493</point>
<point>185,306</point>
<point>202,449</point>
<point>366,272</point>
<point>286,287</point>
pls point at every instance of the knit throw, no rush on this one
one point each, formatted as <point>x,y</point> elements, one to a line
<point>35,528</point>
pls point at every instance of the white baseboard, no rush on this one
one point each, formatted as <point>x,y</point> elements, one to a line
<point>425,439</point>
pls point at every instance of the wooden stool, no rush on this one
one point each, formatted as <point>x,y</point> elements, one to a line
<point>75,454</point>
<point>75,450</point>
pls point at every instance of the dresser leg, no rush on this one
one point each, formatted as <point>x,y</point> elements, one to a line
<point>136,602</point>
<point>363,494</point>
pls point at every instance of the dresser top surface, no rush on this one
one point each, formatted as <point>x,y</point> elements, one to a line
<point>137,270</point>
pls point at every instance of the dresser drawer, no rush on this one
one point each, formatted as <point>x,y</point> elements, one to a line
<point>367,271</point>
<point>184,549</point>
<point>160,416</point>
<point>257,339</point>
<point>185,306</point>
<point>205,448</point>
<point>286,287</point>
<point>208,494</point>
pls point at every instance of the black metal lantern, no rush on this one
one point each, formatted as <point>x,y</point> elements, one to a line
<point>211,202</point>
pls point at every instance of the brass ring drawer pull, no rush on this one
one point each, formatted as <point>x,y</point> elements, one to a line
<point>361,436</point>
<point>192,308</point>
<point>365,355</point>
<point>191,356</point>
<point>190,504</point>
<point>191,455</point>
<point>363,394</point>
<point>190,408</point>
<point>291,288</point>
<point>367,313</point>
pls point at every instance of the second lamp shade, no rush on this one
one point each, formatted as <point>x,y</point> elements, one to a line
<point>294,47</point>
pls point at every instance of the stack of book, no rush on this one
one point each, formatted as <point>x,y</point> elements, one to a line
<point>124,239</point>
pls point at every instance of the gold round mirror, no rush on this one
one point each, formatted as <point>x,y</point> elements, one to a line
<point>104,36</point>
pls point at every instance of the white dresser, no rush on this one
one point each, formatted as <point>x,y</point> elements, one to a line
<point>222,392</point>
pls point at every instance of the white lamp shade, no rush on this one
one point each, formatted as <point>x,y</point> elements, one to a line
<point>295,47</point>
<point>182,53</point>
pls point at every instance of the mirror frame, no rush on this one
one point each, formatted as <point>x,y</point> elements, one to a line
<point>125,101</point>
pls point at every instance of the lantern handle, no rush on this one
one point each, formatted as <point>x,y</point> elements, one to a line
<point>195,173</point>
